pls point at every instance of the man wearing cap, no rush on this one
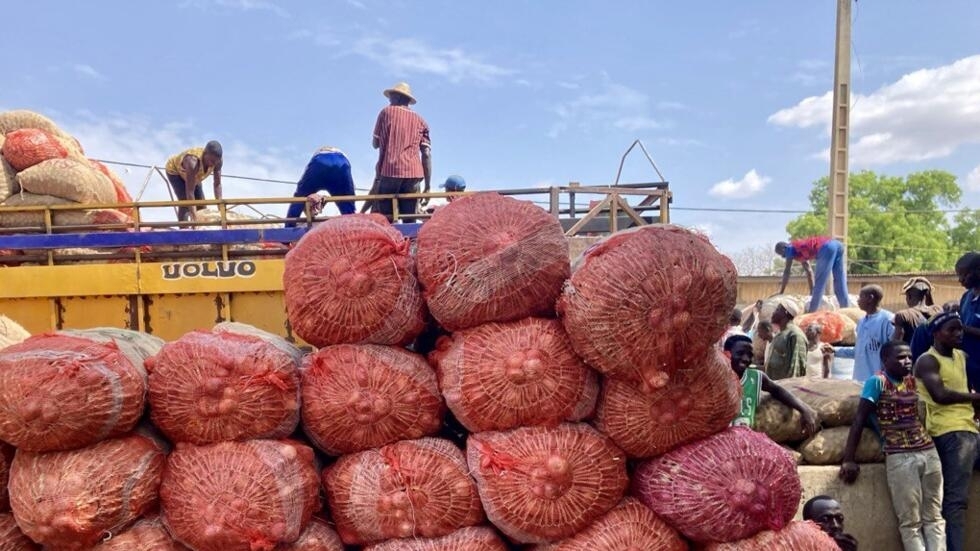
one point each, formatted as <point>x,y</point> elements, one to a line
<point>188,169</point>
<point>968,273</point>
<point>788,355</point>
<point>918,297</point>
<point>454,183</point>
<point>328,170</point>
<point>828,255</point>
<point>401,137</point>
<point>942,384</point>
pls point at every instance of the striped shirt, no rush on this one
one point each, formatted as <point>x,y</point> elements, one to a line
<point>401,135</point>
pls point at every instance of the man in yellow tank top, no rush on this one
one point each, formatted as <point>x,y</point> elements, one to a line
<point>941,374</point>
<point>187,170</point>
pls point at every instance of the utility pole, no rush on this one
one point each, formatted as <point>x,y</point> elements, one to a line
<point>837,192</point>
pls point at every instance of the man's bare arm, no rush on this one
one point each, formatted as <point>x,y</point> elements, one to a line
<point>927,370</point>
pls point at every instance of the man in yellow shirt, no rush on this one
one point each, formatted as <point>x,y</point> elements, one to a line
<point>187,170</point>
<point>941,373</point>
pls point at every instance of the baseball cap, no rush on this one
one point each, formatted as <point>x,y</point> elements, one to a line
<point>454,183</point>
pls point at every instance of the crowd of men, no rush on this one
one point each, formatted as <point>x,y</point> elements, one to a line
<point>401,137</point>
<point>924,354</point>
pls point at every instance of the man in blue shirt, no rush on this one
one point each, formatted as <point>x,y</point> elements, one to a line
<point>328,170</point>
<point>968,272</point>
<point>874,330</point>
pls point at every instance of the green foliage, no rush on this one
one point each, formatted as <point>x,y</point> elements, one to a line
<point>966,230</point>
<point>897,224</point>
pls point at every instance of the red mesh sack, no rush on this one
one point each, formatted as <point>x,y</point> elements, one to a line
<point>487,258</point>
<point>413,488</point>
<point>501,376</point>
<point>700,399</point>
<point>146,535</point>
<point>122,194</point>
<point>630,526</point>
<point>352,280</point>
<point>72,499</point>
<point>542,484</point>
<point>27,147</point>
<point>67,390</point>
<point>362,396</point>
<point>472,538</point>
<point>797,536</point>
<point>11,538</point>
<point>318,536</point>
<point>646,300</point>
<point>6,456</point>
<point>239,496</point>
<point>232,383</point>
<point>727,487</point>
<point>834,324</point>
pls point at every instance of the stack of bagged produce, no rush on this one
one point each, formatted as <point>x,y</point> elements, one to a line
<point>41,165</point>
<point>835,401</point>
<point>476,395</point>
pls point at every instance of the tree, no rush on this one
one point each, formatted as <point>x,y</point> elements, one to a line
<point>895,224</point>
<point>966,231</point>
<point>757,260</point>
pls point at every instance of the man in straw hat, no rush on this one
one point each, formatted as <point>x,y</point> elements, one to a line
<point>401,137</point>
<point>788,355</point>
<point>918,297</point>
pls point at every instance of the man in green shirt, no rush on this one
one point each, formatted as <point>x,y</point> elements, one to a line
<point>788,355</point>
<point>739,350</point>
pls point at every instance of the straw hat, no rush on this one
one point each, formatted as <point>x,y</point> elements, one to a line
<point>401,88</point>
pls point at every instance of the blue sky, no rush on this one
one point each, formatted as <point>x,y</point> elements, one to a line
<point>729,97</point>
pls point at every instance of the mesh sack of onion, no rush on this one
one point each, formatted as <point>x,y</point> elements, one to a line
<point>724,488</point>
<point>231,383</point>
<point>700,399</point>
<point>412,488</point>
<point>542,484</point>
<point>631,526</point>
<point>61,391</point>
<point>500,376</point>
<point>487,258</point>
<point>73,499</point>
<point>352,280</point>
<point>362,396</point>
<point>239,496</point>
<point>644,301</point>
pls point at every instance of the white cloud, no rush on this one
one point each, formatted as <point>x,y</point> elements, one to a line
<point>410,56</point>
<point>356,4</point>
<point>88,71</point>
<point>750,184</point>
<point>637,123</point>
<point>243,5</point>
<point>973,179</point>
<point>568,85</point>
<point>926,114</point>
<point>681,142</point>
<point>613,105</point>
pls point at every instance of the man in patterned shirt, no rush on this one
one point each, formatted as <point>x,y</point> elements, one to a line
<point>401,137</point>
<point>913,468</point>
<point>828,255</point>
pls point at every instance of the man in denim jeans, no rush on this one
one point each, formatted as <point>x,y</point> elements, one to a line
<point>828,255</point>
<point>941,374</point>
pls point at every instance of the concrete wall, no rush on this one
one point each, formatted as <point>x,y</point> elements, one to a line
<point>946,287</point>
<point>868,507</point>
